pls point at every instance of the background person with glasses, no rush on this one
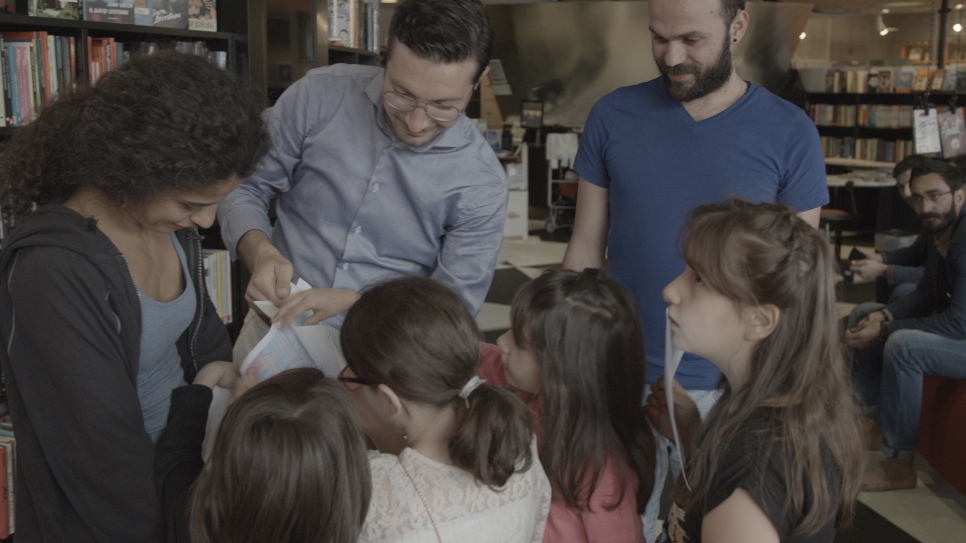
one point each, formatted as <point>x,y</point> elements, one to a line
<point>896,273</point>
<point>377,174</point>
<point>925,332</point>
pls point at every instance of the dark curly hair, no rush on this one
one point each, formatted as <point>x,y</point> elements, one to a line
<point>160,122</point>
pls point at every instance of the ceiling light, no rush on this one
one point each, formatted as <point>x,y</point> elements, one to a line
<point>885,10</point>
<point>884,31</point>
<point>959,6</point>
<point>802,35</point>
<point>957,27</point>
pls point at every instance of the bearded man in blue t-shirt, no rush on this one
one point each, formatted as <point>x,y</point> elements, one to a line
<point>652,152</point>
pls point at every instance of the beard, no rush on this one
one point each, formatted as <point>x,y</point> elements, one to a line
<point>938,221</point>
<point>705,82</point>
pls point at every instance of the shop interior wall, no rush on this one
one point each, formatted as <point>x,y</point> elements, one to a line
<point>570,54</point>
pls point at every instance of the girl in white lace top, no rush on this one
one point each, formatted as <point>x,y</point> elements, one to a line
<point>470,472</point>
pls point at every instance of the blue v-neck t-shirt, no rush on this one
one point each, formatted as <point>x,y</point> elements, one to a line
<point>659,164</point>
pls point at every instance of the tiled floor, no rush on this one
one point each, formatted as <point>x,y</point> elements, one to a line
<point>933,512</point>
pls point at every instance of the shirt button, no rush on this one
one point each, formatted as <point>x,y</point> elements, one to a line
<point>358,229</point>
<point>375,187</point>
<point>345,265</point>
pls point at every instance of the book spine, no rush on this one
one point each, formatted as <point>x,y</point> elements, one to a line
<point>12,62</point>
<point>4,496</point>
<point>51,67</point>
<point>73,59</point>
<point>4,85</point>
<point>26,85</point>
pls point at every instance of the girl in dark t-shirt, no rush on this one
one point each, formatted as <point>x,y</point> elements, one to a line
<point>779,458</point>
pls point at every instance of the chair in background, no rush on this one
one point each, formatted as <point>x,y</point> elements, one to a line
<point>835,218</point>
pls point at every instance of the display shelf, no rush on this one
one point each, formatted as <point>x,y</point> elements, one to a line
<point>856,163</point>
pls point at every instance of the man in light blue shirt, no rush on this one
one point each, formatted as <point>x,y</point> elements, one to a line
<point>377,173</point>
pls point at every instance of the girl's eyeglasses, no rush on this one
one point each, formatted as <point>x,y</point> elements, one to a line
<point>352,383</point>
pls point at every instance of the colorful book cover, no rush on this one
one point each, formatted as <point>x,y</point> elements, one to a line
<point>885,81</point>
<point>904,81</point>
<point>952,133</point>
<point>142,13</point>
<point>949,82</point>
<point>109,11</point>
<point>60,9</point>
<point>202,15</point>
<point>921,82</point>
<point>936,79</point>
<point>170,13</point>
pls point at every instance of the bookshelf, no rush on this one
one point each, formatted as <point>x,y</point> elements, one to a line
<point>868,128</point>
<point>290,37</point>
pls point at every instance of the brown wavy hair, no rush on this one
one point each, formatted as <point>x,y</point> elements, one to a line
<point>167,121</point>
<point>798,390</point>
<point>289,465</point>
<point>585,333</point>
<point>416,336</point>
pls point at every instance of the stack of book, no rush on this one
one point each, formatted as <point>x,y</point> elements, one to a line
<point>218,280</point>
<point>35,67</point>
<point>877,149</point>
<point>354,23</point>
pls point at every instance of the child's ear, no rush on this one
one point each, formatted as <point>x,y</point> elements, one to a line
<point>390,400</point>
<point>762,321</point>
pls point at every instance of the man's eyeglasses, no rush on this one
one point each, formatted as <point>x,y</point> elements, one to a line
<point>918,199</point>
<point>352,383</point>
<point>442,114</point>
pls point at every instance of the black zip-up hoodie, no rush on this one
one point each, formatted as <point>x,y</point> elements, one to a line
<point>70,333</point>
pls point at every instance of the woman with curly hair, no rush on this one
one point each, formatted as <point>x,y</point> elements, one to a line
<point>103,308</point>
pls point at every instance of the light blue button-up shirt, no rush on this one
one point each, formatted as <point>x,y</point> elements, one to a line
<point>357,207</point>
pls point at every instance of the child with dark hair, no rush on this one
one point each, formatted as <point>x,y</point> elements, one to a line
<point>779,458</point>
<point>289,462</point>
<point>576,347</point>
<point>104,307</point>
<point>469,472</point>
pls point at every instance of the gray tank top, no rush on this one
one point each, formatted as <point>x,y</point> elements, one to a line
<point>159,367</point>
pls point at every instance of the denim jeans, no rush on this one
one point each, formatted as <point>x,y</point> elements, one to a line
<point>890,376</point>
<point>666,458</point>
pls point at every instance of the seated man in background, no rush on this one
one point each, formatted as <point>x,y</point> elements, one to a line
<point>924,332</point>
<point>896,273</point>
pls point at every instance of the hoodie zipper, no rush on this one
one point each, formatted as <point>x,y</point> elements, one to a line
<point>201,292</point>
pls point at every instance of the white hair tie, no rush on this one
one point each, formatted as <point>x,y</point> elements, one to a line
<point>469,387</point>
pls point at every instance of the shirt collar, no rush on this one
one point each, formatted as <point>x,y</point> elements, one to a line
<point>452,138</point>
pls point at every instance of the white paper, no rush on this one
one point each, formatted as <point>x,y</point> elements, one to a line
<point>926,131</point>
<point>672,359</point>
<point>297,346</point>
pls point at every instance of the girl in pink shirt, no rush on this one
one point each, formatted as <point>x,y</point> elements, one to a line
<point>576,345</point>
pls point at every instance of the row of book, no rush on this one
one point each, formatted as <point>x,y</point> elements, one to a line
<point>876,149</point>
<point>36,66</point>
<point>8,471</point>
<point>217,264</point>
<point>354,23</point>
<point>874,116</point>
<point>901,80</point>
<point>189,14</point>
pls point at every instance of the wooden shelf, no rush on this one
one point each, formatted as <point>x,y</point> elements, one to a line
<point>111,28</point>
<point>856,163</point>
<point>341,49</point>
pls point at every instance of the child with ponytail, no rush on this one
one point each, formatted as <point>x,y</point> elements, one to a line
<point>469,472</point>
<point>779,458</point>
<point>576,347</point>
